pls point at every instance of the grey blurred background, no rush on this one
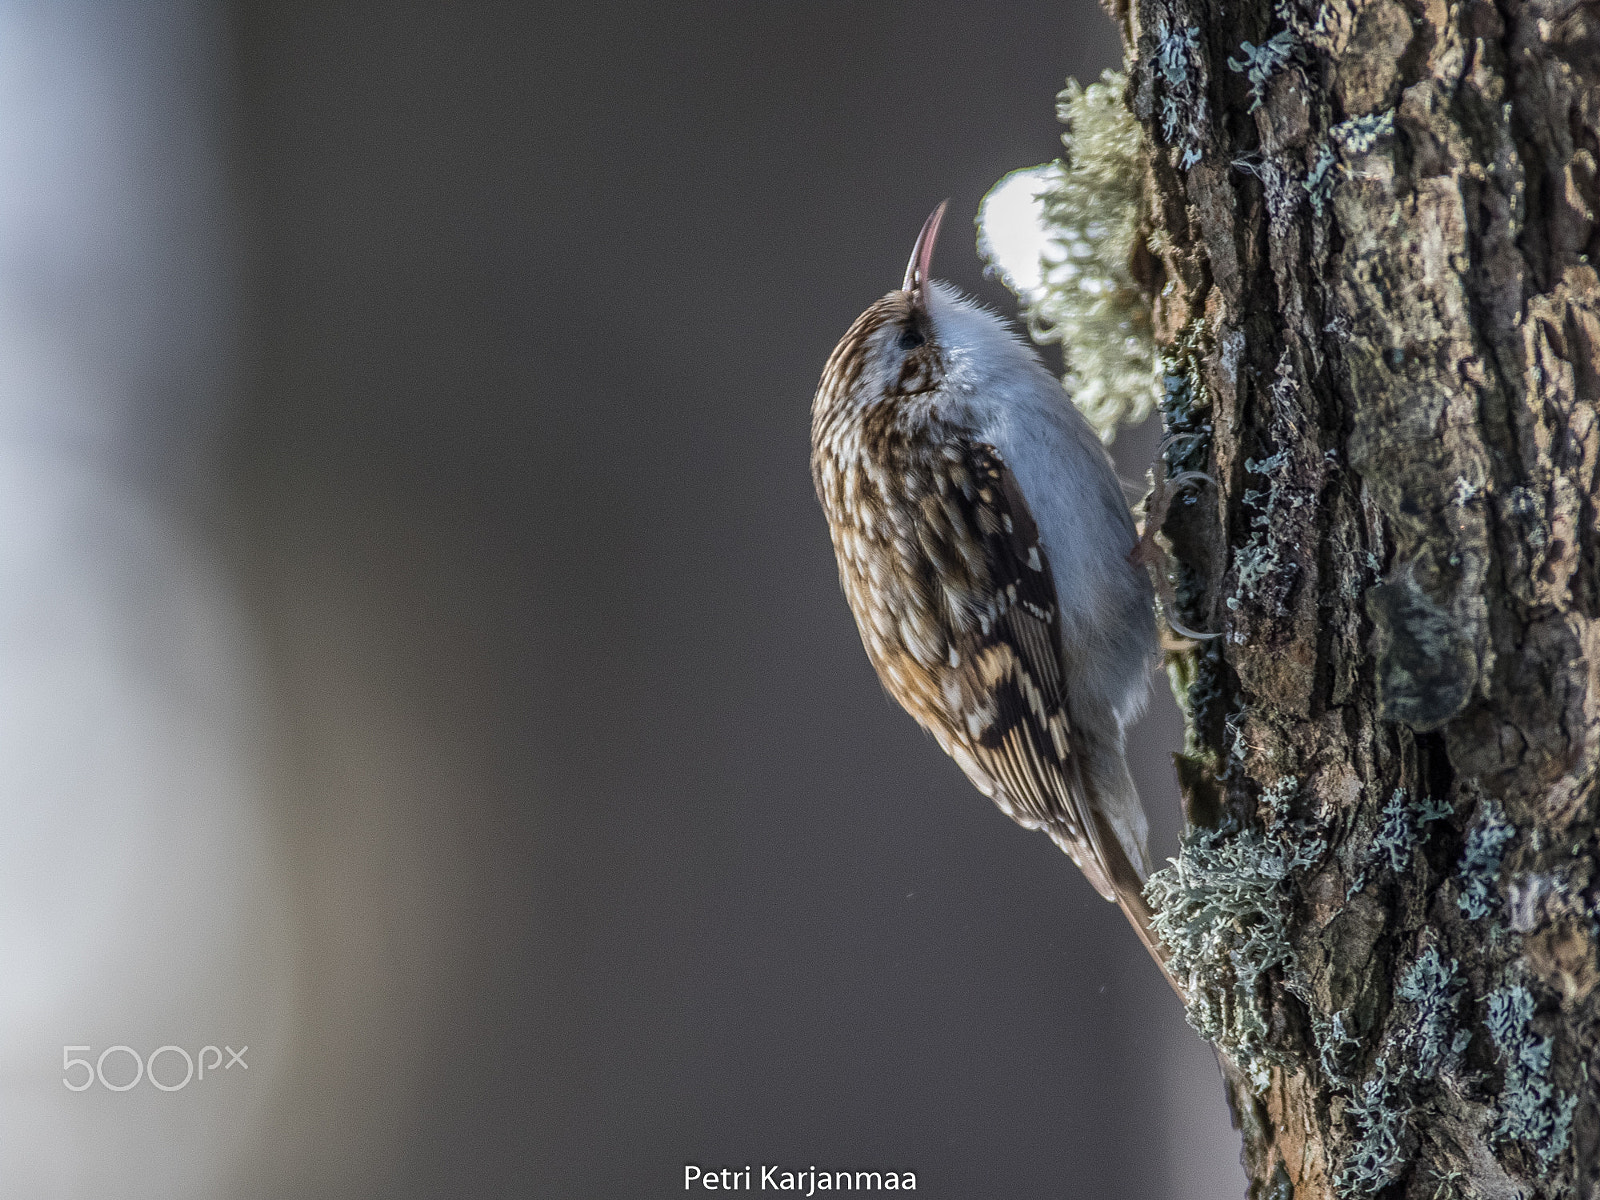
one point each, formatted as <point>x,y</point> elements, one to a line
<point>421,656</point>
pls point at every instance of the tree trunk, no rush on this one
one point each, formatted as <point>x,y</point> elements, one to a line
<point>1374,227</point>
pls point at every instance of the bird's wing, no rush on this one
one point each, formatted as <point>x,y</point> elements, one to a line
<point>1004,682</point>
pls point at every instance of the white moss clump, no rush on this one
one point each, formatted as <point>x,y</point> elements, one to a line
<point>1080,291</point>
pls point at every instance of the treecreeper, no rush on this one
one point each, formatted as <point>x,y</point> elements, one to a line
<point>993,566</point>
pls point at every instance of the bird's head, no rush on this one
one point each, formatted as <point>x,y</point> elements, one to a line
<point>919,339</point>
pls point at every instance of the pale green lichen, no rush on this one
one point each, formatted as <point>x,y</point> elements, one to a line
<point>1434,809</point>
<point>1397,835</point>
<point>1531,1108</point>
<point>1280,188</point>
<point>1479,870</point>
<point>1261,63</point>
<point>1264,568</point>
<point>1360,134</point>
<point>1222,911</point>
<point>1073,227</point>
<point>1185,405</point>
<point>1088,299</point>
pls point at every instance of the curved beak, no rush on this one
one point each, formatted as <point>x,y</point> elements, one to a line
<point>917,270</point>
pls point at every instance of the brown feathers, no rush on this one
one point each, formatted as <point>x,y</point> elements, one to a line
<point>941,563</point>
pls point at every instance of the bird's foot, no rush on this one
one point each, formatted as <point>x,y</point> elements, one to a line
<point>1148,552</point>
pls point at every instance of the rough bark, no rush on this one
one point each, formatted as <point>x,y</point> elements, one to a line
<point>1375,239</point>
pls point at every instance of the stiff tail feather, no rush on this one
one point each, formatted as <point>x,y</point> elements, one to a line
<point>1129,889</point>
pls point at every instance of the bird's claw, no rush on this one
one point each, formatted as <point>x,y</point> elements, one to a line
<point>1148,552</point>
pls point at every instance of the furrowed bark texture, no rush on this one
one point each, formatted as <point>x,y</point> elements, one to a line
<point>1375,244</point>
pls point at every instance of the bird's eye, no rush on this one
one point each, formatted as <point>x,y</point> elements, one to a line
<point>911,339</point>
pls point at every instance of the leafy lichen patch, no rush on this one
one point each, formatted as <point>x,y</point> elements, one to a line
<point>1260,63</point>
<point>1423,1044</point>
<point>1479,870</point>
<point>1435,1039</point>
<point>1266,566</point>
<point>1353,138</point>
<point>1381,1112</point>
<point>1179,74</point>
<point>1532,1109</point>
<point>1399,833</point>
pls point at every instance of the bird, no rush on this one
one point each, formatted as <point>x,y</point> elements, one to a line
<point>993,566</point>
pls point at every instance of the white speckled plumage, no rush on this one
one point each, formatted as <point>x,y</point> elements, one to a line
<point>983,543</point>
